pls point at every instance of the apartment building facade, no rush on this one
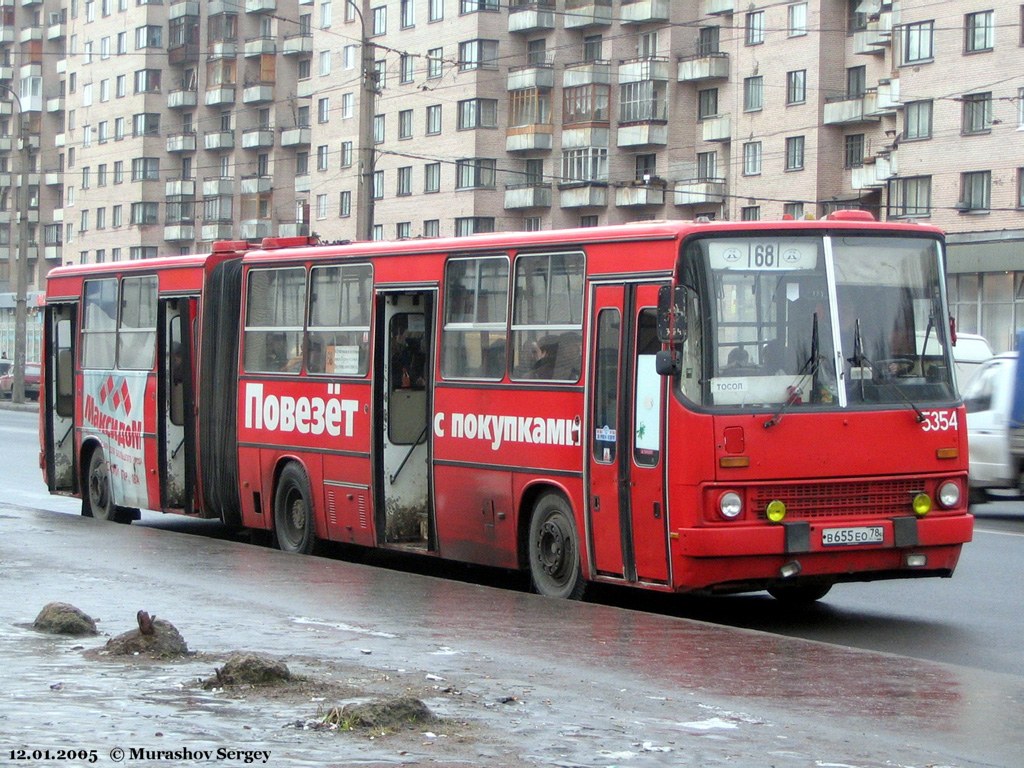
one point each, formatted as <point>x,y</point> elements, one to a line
<point>159,127</point>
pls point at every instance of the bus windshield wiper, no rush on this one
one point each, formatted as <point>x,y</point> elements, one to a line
<point>811,363</point>
<point>860,361</point>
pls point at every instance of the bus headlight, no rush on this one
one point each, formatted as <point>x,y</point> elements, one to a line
<point>949,494</point>
<point>922,504</point>
<point>730,505</point>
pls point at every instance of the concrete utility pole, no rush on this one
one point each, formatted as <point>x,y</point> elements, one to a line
<point>21,262</point>
<point>367,110</point>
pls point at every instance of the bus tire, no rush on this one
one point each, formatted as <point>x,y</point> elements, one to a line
<point>98,499</point>
<point>294,527</point>
<point>554,549</point>
<point>800,594</point>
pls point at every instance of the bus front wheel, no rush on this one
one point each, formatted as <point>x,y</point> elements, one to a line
<point>293,512</point>
<point>98,500</point>
<point>554,549</point>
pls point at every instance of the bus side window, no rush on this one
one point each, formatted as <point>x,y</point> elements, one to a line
<point>65,373</point>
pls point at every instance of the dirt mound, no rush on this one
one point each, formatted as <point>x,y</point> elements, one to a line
<point>252,669</point>
<point>381,714</point>
<point>162,640</point>
<point>64,619</point>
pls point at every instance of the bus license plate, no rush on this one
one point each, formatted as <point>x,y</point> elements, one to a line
<point>840,537</point>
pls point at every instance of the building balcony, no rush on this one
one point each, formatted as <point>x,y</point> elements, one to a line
<point>220,95</point>
<point>851,111</point>
<point>587,13</point>
<point>581,136</point>
<point>53,178</point>
<point>719,7</point>
<point>55,104</point>
<point>179,55</point>
<point>53,252</point>
<point>641,70</point>
<point>255,185</point>
<point>219,140</point>
<point>643,134</point>
<point>519,196</point>
<point>876,37</point>
<point>296,44</point>
<point>61,66</point>
<point>176,233</point>
<point>259,46</point>
<point>57,31</point>
<point>181,99</point>
<point>589,194</point>
<point>257,138</point>
<point>180,188</point>
<point>302,183</point>
<point>220,230</point>
<point>59,139</point>
<point>30,35</point>
<point>587,73</point>
<point>639,195</point>
<point>31,3</point>
<point>531,17</point>
<point>258,94</point>
<point>699,192</point>
<point>694,69</point>
<point>643,11</point>
<point>182,8</point>
<point>526,138</point>
<point>181,142</point>
<point>296,137</point>
<point>717,128</point>
<point>875,172</point>
<point>222,49</point>
<point>218,186</point>
<point>6,33</point>
<point>305,88</point>
<point>6,73</point>
<point>531,76</point>
<point>255,229</point>
<point>260,6</point>
<point>887,97</point>
<point>293,229</point>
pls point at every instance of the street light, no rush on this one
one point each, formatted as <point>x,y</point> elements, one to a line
<point>367,154</point>
<point>21,263</point>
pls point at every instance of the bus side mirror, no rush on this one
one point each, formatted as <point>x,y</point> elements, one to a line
<point>671,315</point>
<point>666,362</point>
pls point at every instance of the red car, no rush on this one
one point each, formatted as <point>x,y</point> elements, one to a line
<point>31,382</point>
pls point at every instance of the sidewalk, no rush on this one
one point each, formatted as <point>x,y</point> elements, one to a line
<point>519,680</point>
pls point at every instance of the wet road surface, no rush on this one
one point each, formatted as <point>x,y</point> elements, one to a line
<point>522,680</point>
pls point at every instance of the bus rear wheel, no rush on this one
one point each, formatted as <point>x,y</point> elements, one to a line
<point>799,594</point>
<point>293,512</point>
<point>554,549</point>
<point>98,500</point>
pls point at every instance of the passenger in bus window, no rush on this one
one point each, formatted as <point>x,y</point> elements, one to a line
<point>407,361</point>
<point>738,358</point>
<point>544,358</point>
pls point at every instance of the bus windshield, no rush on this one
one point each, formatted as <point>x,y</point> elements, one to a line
<point>792,320</point>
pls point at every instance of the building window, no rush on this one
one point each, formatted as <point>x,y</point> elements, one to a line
<point>707,103</point>
<point>346,154</point>
<point>435,10</point>
<point>406,68</point>
<point>586,104</point>
<point>917,121</point>
<point>752,158</point>
<point>708,41</point>
<point>707,166</point>
<point>592,47</point>
<point>750,213</point>
<point>474,6</point>
<point>977,113</point>
<point>478,113</point>
<point>404,187</point>
<point>147,81</point>
<point>407,14</point>
<point>435,63</point>
<point>432,228</point>
<point>532,224</point>
<point>323,110</point>
<point>378,185</point>
<point>917,41</point>
<point>794,153</point>
<point>146,169</point>
<point>348,107</point>
<point>793,210</point>
<point>796,86</point>
<point>585,165</point>
<point>378,129</point>
<point>380,20</point>
<point>797,18</point>
<point>529,106</point>
<point>432,177</point>
<point>753,93</point>
<point>475,173</point>
<point>321,206</point>
<point>642,101</point>
<point>433,119</point>
<point>853,150</point>
<point>590,220</point>
<point>856,82</point>
<point>975,190</point>
<point>405,124</point>
<point>478,54</point>
<point>472,225</point>
<point>345,204</point>
<point>321,157</point>
<point>911,196</point>
<point>145,213</point>
<point>754,28</point>
<point>979,32</point>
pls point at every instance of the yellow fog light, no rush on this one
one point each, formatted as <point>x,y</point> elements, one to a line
<point>776,510</point>
<point>922,504</point>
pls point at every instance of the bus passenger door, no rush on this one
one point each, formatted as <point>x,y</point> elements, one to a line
<point>626,508</point>
<point>175,421</point>
<point>59,397</point>
<point>403,395</point>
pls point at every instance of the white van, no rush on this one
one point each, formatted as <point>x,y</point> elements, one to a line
<point>989,399</point>
<point>969,352</point>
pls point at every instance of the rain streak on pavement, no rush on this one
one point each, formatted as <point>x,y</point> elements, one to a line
<point>517,679</point>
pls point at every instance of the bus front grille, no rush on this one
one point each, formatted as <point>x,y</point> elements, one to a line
<point>815,500</point>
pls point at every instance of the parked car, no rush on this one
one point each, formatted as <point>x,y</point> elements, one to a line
<point>989,400</point>
<point>31,382</point>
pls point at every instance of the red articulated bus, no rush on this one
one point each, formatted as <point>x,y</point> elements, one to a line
<point>680,406</point>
